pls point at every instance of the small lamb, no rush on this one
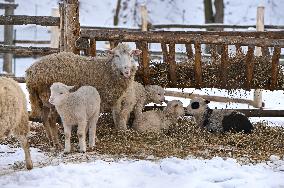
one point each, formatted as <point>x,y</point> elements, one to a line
<point>134,99</point>
<point>218,120</point>
<point>81,108</point>
<point>155,121</point>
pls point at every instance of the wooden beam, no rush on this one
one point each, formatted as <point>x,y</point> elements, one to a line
<point>24,20</point>
<point>27,50</point>
<point>178,37</point>
<point>249,66</point>
<point>197,65</point>
<point>275,67</point>
<point>224,66</point>
<point>8,5</point>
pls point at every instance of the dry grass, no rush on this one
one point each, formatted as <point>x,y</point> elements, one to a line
<point>182,140</point>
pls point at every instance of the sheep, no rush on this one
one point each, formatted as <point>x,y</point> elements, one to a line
<point>218,121</point>
<point>81,108</point>
<point>111,75</point>
<point>134,99</point>
<point>155,121</point>
<point>14,115</point>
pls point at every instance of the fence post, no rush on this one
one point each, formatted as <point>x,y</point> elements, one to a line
<point>71,25</point>
<point>8,39</point>
<point>54,30</point>
<point>144,46</point>
<point>257,97</point>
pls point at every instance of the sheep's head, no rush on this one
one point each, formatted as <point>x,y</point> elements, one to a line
<point>123,59</point>
<point>155,93</point>
<point>197,106</point>
<point>174,107</point>
<point>59,92</point>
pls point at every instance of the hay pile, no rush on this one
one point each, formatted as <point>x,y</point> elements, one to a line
<point>182,140</point>
<point>159,73</point>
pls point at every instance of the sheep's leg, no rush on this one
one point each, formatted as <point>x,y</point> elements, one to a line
<point>26,147</point>
<point>67,134</point>
<point>137,114</point>
<point>92,130</point>
<point>54,129</point>
<point>123,119</point>
<point>115,115</point>
<point>81,132</point>
<point>45,115</point>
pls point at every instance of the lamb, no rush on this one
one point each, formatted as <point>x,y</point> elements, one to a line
<point>81,108</point>
<point>135,98</point>
<point>219,121</point>
<point>155,121</point>
<point>14,115</point>
<point>111,75</point>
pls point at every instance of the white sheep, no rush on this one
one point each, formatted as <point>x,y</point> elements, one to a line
<point>14,115</point>
<point>134,99</point>
<point>156,120</point>
<point>111,75</point>
<point>81,108</point>
<point>217,120</point>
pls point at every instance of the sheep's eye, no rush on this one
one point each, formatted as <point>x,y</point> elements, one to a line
<point>117,56</point>
<point>159,94</point>
<point>60,93</point>
<point>195,105</point>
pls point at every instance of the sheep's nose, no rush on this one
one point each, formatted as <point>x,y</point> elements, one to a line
<point>50,100</point>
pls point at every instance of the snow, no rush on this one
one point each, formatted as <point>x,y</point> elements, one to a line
<point>169,172</point>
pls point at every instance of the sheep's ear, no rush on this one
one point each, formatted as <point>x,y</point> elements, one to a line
<point>166,101</point>
<point>135,52</point>
<point>207,101</point>
<point>70,87</point>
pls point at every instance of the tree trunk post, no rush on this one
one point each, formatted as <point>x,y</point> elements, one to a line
<point>71,25</point>
<point>8,40</point>
<point>257,97</point>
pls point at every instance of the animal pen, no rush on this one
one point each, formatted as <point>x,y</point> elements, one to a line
<point>243,69</point>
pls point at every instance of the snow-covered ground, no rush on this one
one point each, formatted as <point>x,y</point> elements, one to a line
<point>169,172</point>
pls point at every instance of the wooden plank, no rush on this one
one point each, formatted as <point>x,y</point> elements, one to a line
<point>224,66</point>
<point>189,51</point>
<point>275,67</point>
<point>24,20</point>
<point>209,26</point>
<point>247,112</point>
<point>178,37</point>
<point>27,50</point>
<point>197,65</point>
<point>62,41</point>
<point>145,61</point>
<point>249,66</point>
<point>8,5</point>
<point>172,65</point>
<point>93,47</point>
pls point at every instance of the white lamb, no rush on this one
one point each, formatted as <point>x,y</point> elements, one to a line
<point>134,99</point>
<point>155,121</point>
<point>81,108</point>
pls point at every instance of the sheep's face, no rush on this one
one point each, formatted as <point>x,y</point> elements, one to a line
<point>59,92</point>
<point>175,107</point>
<point>124,61</point>
<point>197,106</point>
<point>156,93</point>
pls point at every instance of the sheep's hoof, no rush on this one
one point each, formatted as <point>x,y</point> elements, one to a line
<point>29,165</point>
<point>66,151</point>
<point>91,148</point>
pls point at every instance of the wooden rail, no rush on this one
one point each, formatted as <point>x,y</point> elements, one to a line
<point>31,51</point>
<point>210,26</point>
<point>24,20</point>
<point>183,37</point>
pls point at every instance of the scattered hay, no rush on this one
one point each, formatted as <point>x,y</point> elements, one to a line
<point>182,140</point>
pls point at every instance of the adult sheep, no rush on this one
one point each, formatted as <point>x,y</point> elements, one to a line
<point>134,99</point>
<point>81,108</point>
<point>111,75</point>
<point>217,120</point>
<point>14,115</point>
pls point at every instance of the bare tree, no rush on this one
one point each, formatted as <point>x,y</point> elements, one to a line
<point>116,16</point>
<point>210,17</point>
